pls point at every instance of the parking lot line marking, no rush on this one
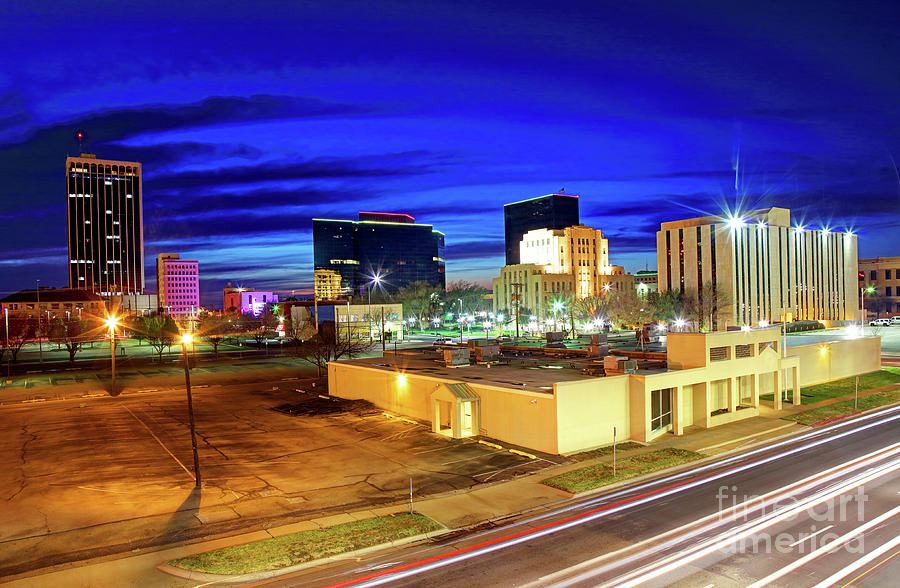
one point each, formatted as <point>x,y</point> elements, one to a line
<point>443,448</point>
<point>160,442</point>
<point>473,457</point>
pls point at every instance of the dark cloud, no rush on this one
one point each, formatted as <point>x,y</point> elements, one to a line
<point>395,164</point>
<point>110,125</point>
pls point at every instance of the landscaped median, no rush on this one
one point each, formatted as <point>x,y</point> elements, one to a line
<point>306,546</point>
<point>823,414</point>
<point>601,474</point>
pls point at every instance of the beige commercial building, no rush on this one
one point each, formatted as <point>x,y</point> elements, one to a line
<point>369,321</point>
<point>562,406</point>
<point>883,275</point>
<point>769,269</point>
<point>556,265</point>
<point>327,284</point>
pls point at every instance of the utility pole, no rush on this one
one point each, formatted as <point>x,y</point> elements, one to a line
<point>382,329</point>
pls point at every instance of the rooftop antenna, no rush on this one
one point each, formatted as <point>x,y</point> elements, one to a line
<point>79,136</point>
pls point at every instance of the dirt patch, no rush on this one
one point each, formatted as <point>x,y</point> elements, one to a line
<point>318,405</point>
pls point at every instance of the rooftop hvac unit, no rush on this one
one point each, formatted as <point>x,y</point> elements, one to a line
<point>487,353</point>
<point>456,357</point>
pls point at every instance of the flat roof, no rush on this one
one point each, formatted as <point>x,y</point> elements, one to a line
<point>529,374</point>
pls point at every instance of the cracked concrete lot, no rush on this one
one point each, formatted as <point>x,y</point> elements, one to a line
<point>87,477</point>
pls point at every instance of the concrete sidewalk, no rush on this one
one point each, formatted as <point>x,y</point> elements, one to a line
<point>454,510</point>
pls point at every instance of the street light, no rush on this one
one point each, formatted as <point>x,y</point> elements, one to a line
<point>376,279</point>
<point>869,290</point>
<point>460,320</point>
<point>37,291</point>
<point>111,322</point>
<point>186,340</point>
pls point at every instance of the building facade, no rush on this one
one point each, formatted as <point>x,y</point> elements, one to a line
<point>327,284</point>
<point>883,275</point>
<point>177,284</point>
<point>246,300</point>
<point>105,225</point>
<point>767,269</point>
<point>706,380</point>
<point>53,303</point>
<point>553,211</point>
<point>390,246</point>
<point>646,281</point>
<point>557,265</point>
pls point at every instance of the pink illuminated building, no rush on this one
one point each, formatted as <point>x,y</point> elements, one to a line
<point>178,284</point>
<point>246,300</point>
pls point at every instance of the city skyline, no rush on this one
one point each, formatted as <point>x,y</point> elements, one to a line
<point>649,113</point>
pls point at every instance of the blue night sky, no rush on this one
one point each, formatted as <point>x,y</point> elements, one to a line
<point>252,118</point>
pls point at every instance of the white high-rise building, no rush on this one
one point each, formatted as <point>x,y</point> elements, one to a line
<point>769,269</point>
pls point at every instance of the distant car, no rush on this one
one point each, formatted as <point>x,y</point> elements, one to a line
<point>503,339</point>
<point>443,341</point>
<point>895,320</point>
<point>881,322</point>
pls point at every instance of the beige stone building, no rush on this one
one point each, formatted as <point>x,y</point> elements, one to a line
<point>769,269</point>
<point>566,405</point>
<point>556,265</point>
<point>327,284</point>
<point>882,274</point>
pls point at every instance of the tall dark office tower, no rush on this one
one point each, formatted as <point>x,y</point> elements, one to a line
<point>553,211</point>
<point>106,228</point>
<point>389,245</point>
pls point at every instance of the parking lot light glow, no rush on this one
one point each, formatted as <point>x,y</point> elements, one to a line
<point>187,338</point>
<point>763,323</point>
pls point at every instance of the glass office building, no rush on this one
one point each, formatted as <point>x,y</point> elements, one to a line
<point>553,211</point>
<point>389,245</point>
<point>105,225</point>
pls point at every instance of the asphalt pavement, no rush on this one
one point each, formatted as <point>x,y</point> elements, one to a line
<point>705,526</point>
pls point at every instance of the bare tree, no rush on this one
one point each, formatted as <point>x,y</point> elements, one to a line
<point>628,309</point>
<point>213,328</point>
<point>72,333</point>
<point>161,332</point>
<point>325,346</point>
<point>705,305</point>
<point>21,331</point>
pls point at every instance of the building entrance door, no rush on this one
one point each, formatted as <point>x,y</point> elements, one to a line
<point>466,413</point>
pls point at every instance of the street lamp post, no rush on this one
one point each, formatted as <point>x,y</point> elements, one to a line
<point>376,279</point>
<point>186,340</point>
<point>37,291</point>
<point>460,320</point>
<point>111,323</point>
<point>864,317</point>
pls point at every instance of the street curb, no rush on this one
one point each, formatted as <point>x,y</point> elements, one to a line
<point>263,575</point>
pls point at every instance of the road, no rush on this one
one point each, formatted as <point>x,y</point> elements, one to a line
<point>768,517</point>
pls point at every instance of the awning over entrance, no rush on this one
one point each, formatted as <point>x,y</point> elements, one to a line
<point>462,391</point>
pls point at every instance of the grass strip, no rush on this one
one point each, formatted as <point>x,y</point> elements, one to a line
<point>845,408</point>
<point>602,474</point>
<point>604,451</point>
<point>289,550</point>
<point>883,377</point>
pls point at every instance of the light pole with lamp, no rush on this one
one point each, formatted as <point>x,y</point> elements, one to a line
<point>864,317</point>
<point>186,340</point>
<point>460,320</point>
<point>111,322</point>
<point>376,279</point>
<point>37,291</point>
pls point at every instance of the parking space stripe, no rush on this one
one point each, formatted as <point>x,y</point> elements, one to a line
<point>161,444</point>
